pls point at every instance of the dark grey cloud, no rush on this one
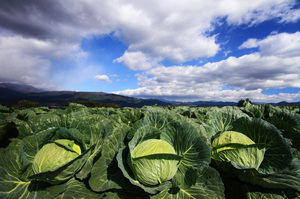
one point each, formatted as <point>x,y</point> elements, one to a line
<point>31,18</point>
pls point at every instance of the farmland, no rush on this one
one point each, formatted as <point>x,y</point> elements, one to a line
<point>250,151</point>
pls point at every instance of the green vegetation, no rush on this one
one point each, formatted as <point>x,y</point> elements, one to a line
<point>26,104</point>
<point>94,104</point>
<point>251,151</point>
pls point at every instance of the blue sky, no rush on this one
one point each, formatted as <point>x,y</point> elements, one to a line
<point>223,50</point>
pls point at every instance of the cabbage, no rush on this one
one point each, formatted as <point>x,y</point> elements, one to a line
<point>239,148</point>
<point>53,155</point>
<point>150,168</point>
<point>164,153</point>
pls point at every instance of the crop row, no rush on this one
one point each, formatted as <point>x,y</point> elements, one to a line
<point>151,152</point>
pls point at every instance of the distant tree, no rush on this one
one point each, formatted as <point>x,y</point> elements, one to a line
<point>26,104</point>
<point>242,102</point>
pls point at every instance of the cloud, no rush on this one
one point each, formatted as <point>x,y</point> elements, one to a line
<point>28,60</point>
<point>282,45</point>
<point>250,43</point>
<point>160,30</point>
<point>103,78</point>
<point>247,75</point>
<point>35,34</point>
<point>136,61</point>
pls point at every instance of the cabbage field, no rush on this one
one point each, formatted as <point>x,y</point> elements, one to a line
<point>150,152</point>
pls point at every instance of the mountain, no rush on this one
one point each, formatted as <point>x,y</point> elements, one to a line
<point>11,94</point>
<point>9,97</point>
<point>21,88</point>
<point>284,103</point>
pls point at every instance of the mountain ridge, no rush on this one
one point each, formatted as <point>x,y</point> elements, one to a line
<point>11,94</point>
<point>10,97</point>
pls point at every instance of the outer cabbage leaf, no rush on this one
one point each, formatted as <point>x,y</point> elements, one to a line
<point>96,128</point>
<point>76,189</point>
<point>262,111</point>
<point>127,116</point>
<point>286,179</point>
<point>197,114</point>
<point>208,185</point>
<point>289,124</point>
<point>194,151</point>
<point>287,121</point>
<point>36,124</point>
<point>105,174</point>
<point>121,193</point>
<point>238,189</point>
<point>7,128</point>
<point>218,120</point>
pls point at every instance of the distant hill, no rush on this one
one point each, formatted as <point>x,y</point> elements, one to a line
<point>10,97</point>
<point>11,94</point>
<point>284,103</point>
<point>21,88</point>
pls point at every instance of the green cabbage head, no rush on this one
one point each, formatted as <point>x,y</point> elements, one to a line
<point>153,163</point>
<point>55,154</point>
<point>236,147</point>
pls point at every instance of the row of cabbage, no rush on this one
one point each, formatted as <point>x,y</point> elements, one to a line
<point>150,152</point>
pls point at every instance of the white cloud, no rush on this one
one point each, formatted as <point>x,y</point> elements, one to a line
<point>282,45</point>
<point>248,75</point>
<point>250,43</point>
<point>257,11</point>
<point>103,78</point>
<point>175,30</point>
<point>136,61</point>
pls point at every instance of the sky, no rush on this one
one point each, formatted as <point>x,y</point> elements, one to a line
<point>191,50</point>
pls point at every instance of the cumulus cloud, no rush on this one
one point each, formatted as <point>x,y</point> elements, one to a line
<point>250,43</point>
<point>247,75</point>
<point>282,45</point>
<point>136,60</point>
<point>103,78</point>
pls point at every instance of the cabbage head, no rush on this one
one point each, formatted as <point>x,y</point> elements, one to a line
<point>255,152</point>
<point>164,153</point>
<point>55,154</point>
<point>151,163</point>
<point>239,148</point>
